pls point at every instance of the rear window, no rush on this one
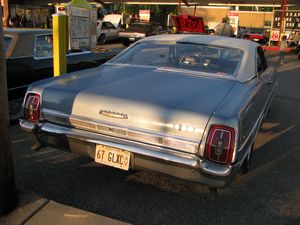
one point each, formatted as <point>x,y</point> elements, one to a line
<point>202,58</point>
<point>43,46</point>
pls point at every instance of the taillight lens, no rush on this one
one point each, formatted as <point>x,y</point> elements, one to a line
<point>61,8</point>
<point>32,107</point>
<point>220,144</point>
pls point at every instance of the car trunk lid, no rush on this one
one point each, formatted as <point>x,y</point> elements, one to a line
<point>143,99</point>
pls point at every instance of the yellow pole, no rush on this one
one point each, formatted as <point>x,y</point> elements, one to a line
<point>59,44</point>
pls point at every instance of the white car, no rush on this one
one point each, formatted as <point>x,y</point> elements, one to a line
<point>106,31</point>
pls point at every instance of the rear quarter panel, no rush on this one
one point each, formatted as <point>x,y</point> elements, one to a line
<point>243,109</point>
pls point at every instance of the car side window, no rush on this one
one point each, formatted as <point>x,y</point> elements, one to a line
<point>104,26</point>
<point>43,46</point>
<point>110,25</point>
<point>261,60</point>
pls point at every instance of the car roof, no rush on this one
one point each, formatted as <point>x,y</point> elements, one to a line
<point>248,64</point>
<point>22,43</point>
<point>220,41</point>
<point>26,30</point>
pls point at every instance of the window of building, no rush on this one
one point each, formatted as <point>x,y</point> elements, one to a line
<point>265,9</point>
<point>245,8</point>
<point>268,23</point>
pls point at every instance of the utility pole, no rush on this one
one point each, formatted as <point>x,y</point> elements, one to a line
<point>8,197</point>
<point>5,12</point>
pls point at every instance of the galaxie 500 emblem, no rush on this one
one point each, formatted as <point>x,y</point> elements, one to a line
<point>113,114</point>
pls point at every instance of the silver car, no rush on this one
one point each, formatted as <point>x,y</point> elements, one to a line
<point>188,106</point>
<point>106,31</point>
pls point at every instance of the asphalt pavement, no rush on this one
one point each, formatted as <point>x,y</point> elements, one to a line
<point>268,194</point>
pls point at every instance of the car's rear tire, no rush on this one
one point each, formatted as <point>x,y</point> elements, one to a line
<point>245,167</point>
<point>101,39</point>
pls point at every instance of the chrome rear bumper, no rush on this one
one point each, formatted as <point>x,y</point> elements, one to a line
<point>182,165</point>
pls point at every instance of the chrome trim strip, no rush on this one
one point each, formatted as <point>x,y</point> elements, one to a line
<point>69,54</point>
<point>252,131</point>
<point>27,126</point>
<point>21,57</point>
<point>11,89</point>
<point>114,125</point>
<point>134,134</point>
<point>113,114</point>
<point>196,73</point>
<point>250,78</point>
<point>216,169</point>
<point>117,126</point>
<point>186,159</point>
<point>55,113</point>
<point>175,70</point>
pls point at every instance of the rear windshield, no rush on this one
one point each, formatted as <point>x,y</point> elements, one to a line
<point>202,58</point>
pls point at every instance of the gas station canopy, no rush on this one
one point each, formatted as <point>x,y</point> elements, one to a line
<point>209,2</point>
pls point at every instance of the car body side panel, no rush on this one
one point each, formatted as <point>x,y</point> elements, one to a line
<point>244,109</point>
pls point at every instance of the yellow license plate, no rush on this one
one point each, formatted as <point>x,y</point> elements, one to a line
<point>111,156</point>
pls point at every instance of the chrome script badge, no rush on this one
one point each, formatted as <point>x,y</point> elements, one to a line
<point>113,114</point>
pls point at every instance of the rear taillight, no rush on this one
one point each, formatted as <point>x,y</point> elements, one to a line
<point>61,8</point>
<point>32,107</point>
<point>220,144</point>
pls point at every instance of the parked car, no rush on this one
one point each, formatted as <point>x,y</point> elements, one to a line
<point>137,31</point>
<point>29,58</point>
<point>259,38</point>
<point>255,34</point>
<point>118,20</point>
<point>184,105</point>
<point>106,31</point>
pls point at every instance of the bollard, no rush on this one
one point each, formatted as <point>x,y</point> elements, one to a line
<point>59,44</point>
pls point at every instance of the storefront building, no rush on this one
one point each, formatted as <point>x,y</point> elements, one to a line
<point>38,12</point>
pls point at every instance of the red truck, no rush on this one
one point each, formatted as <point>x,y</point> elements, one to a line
<point>189,24</point>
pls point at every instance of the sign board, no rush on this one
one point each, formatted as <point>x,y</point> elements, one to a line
<point>274,35</point>
<point>144,15</point>
<point>82,27</point>
<point>234,22</point>
<point>291,18</point>
<point>233,13</point>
